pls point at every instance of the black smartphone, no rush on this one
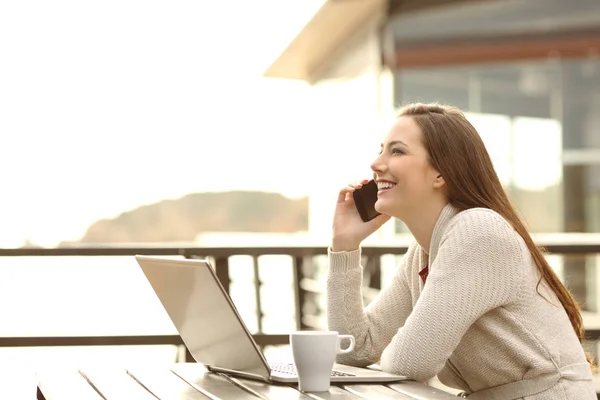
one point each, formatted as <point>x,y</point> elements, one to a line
<point>365,199</point>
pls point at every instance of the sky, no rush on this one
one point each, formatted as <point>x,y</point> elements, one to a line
<point>105,106</point>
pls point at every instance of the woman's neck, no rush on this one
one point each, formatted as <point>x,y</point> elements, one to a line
<point>422,223</point>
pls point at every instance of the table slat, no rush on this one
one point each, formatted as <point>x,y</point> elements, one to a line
<point>270,391</point>
<point>212,385</point>
<point>420,391</point>
<point>376,392</point>
<point>164,384</point>
<point>334,393</point>
<point>65,384</point>
<point>190,372</point>
<point>115,384</point>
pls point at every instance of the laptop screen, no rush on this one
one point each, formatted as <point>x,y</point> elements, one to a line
<point>203,314</point>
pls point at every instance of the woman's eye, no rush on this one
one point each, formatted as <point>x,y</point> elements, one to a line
<point>397,151</point>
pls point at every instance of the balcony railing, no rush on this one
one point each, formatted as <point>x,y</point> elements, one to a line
<point>303,283</point>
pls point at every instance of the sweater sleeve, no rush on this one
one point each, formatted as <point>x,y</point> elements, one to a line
<point>478,268</point>
<point>373,327</point>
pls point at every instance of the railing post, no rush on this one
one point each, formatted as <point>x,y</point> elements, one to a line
<point>257,284</point>
<point>374,271</point>
<point>222,271</point>
<point>188,355</point>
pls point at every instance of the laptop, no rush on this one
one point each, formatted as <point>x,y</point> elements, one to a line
<point>212,329</point>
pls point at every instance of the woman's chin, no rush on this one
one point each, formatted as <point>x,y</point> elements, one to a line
<point>386,209</point>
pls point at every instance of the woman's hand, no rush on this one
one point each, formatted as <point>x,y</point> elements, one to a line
<point>349,230</point>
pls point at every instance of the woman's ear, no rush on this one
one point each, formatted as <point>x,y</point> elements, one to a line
<point>439,181</point>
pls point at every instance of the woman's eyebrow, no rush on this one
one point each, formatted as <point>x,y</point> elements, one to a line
<point>395,142</point>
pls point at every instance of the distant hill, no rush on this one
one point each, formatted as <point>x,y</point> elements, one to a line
<point>182,219</point>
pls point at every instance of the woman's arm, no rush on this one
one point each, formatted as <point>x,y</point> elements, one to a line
<point>373,327</point>
<point>478,267</point>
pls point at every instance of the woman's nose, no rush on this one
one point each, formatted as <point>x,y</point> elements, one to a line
<point>378,166</point>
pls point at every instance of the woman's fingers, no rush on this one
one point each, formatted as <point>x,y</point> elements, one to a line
<point>344,193</point>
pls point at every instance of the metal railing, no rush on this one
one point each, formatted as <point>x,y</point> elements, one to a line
<point>303,285</point>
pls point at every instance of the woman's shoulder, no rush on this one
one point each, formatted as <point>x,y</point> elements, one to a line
<point>482,232</point>
<point>483,225</point>
<point>481,219</point>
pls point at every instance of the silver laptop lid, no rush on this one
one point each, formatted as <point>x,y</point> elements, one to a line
<point>203,314</point>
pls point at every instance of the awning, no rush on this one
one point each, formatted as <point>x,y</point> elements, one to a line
<point>329,28</point>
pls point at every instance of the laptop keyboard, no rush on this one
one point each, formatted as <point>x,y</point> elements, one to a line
<point>290,369</point>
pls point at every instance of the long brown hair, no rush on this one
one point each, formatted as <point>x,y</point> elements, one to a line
<point>456,150</point>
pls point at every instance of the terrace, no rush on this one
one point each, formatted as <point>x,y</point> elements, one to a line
<point>91,303</point>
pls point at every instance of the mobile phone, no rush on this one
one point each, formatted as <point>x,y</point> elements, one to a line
<point>365,199</point>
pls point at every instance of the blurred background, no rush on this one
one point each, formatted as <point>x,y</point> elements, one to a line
<point>131,126</point>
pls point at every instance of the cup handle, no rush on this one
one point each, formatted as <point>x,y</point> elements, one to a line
<point>350,348</point>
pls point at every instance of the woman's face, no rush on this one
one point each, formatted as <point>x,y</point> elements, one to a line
<point>406,180</point>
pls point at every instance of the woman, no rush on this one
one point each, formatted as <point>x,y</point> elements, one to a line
<point>474,301</point>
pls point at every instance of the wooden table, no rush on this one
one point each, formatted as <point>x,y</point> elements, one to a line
<point>192,381</point>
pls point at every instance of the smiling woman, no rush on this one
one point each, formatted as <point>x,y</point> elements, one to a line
<point>472,297</point>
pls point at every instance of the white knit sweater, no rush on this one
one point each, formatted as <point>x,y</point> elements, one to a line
<point>478,321</point>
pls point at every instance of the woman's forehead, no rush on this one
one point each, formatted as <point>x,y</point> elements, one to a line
<point>405,130</point>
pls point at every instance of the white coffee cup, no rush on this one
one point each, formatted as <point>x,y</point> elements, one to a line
<point>314,355</point>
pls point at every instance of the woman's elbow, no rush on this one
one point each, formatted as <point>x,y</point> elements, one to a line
<point>355,360</point>
<point>415,371</point>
